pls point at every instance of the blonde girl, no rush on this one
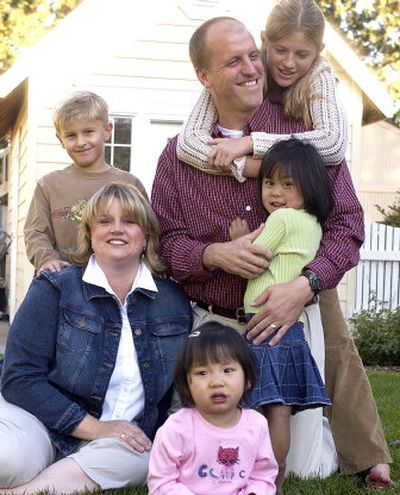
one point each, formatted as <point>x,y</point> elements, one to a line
<point>298,78</point>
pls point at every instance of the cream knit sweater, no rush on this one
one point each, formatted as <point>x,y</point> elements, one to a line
<point>329,134</point>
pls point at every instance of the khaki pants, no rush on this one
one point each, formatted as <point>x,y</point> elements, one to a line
<point>26,450</point>
<point>353,417</point>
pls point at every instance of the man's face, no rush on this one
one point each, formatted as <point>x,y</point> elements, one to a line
<point>234,75</point>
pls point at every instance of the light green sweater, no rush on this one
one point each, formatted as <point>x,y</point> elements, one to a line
<point>293,236</point>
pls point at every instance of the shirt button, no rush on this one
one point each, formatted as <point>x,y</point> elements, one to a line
<point>138,331</point>
<point>248,208</point>
<point>133,301</point>
<point>147,365</point>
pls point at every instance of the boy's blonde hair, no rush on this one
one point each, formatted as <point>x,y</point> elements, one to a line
<point>134,206</point>
<point>286,18</point>
<point>81,104</point>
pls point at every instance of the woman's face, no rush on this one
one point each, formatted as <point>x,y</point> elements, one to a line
<point>115,237</point>
<point>290,58</point>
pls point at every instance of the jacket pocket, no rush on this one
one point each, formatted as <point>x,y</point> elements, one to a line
<point>77,329</point>
<point>168,336</point>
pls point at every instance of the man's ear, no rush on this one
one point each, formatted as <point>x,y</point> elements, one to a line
<point>202,76</point>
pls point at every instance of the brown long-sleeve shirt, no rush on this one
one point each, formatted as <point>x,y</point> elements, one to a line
<point>51,225</point>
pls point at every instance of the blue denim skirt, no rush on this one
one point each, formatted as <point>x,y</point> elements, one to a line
<point>288,374</point>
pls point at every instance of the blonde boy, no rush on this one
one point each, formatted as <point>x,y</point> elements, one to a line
<point>83,127</point>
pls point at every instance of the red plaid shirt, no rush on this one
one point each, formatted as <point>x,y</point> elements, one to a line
<point>195,209</point>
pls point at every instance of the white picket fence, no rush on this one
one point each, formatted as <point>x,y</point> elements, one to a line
<point>378,273</point>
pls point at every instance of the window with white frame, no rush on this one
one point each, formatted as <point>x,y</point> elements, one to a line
<point>119,146</point>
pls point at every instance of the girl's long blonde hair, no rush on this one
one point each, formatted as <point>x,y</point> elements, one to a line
<point>286,18</point>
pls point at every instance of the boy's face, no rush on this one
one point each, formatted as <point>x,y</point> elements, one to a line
<point>83,140</point>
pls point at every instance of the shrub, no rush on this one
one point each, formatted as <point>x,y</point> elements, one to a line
<point>391,216</point>
<point>376,333</point>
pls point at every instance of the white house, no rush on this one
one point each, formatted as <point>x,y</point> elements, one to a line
<point>136,57</point>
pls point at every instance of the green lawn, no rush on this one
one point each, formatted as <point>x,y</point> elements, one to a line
<point>386,387</point>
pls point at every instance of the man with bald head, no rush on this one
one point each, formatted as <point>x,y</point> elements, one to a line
<point>195,211</point>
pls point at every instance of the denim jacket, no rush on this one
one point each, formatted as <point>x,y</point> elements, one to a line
<point>63,343</point>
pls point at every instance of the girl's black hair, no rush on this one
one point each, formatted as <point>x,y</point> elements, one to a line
<point>302,162</point>
<point>211,343</point>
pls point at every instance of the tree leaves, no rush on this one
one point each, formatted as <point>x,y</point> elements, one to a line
<point>24,22</point>
<point>373,29</point>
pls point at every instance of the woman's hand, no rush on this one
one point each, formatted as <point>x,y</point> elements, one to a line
<point>91,429</point>
<point>225,150</point>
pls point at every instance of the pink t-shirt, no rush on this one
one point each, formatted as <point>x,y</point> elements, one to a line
<point>192,456</point>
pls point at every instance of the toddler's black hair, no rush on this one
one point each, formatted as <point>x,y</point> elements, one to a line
<point>211,343</point>
<point>302,162</point>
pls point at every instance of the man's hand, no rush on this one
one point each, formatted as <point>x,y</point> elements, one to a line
<point>282,306</point>
<point>225,150</point>
<point>53,266</point>
<point>239,257</point>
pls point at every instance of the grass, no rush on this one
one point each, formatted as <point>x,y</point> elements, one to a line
<point>386,388</point>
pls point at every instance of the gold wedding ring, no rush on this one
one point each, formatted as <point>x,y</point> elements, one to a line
<point>273,326</point>
<point>123,435</point>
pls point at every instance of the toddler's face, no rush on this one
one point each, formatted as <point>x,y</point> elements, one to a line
<point>217,389</point>
<point>280,191</point>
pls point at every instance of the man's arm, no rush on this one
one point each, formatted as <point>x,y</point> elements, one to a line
<point>188,258</point>
<point>343,231</point>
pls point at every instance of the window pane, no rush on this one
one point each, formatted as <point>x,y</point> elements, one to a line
<point>122,131</point>
<point>108,154</point>
<point>122,158</point>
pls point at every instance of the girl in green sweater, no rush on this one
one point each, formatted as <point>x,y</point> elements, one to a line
<point>295,191</point>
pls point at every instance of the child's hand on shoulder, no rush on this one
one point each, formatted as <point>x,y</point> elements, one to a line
<point>53,266</point>
<point>238,228</point>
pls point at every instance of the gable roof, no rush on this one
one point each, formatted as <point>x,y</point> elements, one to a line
<point>101,25</point>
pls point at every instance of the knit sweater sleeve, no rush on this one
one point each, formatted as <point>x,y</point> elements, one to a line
<point>193,148</point>
<point>329,134</point>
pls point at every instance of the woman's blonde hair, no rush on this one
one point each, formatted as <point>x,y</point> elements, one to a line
<point>134,206</point>
<point>286,18</point>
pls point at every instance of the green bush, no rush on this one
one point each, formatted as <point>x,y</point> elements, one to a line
<point>376,333</point>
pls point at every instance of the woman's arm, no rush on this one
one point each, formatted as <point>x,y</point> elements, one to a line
<point>30,356</point>
<point>329,122</point>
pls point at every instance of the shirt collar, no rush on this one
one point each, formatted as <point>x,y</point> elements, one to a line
<point>95,275</point>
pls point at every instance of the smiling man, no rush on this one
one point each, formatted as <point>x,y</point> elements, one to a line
<point>196,209</point>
